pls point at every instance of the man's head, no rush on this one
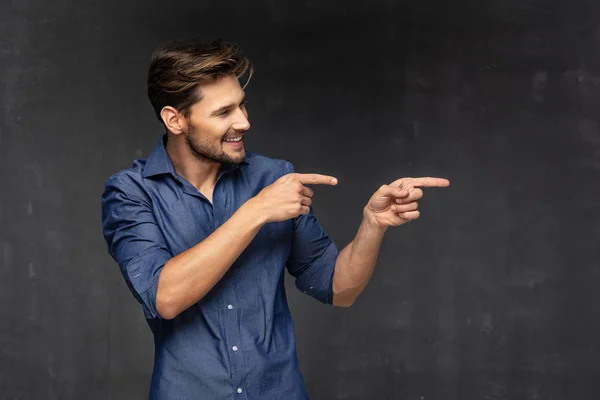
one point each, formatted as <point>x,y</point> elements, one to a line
<point>195,91</point>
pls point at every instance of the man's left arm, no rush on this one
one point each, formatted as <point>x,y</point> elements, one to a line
<point>392,205</point>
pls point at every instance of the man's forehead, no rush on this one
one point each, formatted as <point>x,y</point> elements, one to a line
<point>227,99</point>
<point>221,92</point>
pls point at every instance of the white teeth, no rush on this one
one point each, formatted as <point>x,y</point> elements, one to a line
<point>234,139</point>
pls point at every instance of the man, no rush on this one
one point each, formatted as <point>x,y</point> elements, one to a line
<point>203,231</point>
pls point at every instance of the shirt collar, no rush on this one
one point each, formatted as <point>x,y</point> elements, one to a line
<point>158,161</point>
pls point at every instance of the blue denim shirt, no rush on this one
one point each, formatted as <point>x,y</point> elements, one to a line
<point>238,341</point>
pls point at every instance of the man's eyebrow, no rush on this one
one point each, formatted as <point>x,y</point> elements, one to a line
<point>226,107</point>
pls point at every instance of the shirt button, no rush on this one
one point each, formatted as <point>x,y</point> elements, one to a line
<point>230,307</point>
<point>234,348</point>
<point>239,390</point>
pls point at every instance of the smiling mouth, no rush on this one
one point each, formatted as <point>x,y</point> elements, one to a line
<point>235,139</point>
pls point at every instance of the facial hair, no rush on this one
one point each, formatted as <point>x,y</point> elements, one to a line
<point>206,151</point>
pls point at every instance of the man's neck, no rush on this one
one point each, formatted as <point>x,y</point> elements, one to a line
<point>202,174</point>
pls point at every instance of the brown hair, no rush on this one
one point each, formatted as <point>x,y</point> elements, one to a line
<point>177,68</point>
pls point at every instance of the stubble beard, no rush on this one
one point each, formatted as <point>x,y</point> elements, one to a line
<point>205,151</point>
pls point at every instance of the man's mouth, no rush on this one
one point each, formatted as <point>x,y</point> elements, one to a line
<point>234,139</point>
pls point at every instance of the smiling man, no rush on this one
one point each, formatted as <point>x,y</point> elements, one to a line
<point>204,231</point>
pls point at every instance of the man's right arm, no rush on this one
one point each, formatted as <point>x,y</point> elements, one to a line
<point>190,275</point>
<point>137,244</point>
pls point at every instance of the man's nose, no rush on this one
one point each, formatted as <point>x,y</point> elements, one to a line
<point>241,124</point>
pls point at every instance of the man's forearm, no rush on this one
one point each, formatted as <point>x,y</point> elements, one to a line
<point>190,275</point>
<point>356,262</point>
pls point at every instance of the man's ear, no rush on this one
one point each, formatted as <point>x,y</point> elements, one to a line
<point>173,119</point>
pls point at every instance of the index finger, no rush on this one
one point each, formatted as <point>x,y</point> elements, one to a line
<point>429,181</point>
<point>315,179</point>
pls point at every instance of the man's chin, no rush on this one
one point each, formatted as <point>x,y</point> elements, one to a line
<point>237,158</point>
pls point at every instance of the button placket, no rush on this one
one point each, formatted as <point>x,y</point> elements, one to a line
<point>230,302</point>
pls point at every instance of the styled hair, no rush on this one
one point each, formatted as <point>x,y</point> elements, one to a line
<point>178,68</point>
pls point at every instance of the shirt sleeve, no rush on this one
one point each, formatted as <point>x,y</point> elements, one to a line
<point>312,257</point>
<point>134,239</point>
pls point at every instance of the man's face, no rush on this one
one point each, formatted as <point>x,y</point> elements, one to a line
<point>217,123</point>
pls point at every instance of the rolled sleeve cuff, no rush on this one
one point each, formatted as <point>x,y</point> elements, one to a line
<point>142,274</point>
<point>317,279</point>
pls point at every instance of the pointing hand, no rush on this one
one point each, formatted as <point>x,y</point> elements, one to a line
<point>288,196</point>
<point>396,204</point>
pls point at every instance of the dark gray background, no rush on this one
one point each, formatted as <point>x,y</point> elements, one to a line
<point>491,294</point>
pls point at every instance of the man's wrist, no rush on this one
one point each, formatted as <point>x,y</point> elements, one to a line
<point>371,222</point>
<point>256,212</point>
